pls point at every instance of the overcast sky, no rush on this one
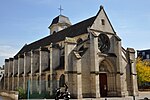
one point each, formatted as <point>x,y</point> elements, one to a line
<point>25,21</point>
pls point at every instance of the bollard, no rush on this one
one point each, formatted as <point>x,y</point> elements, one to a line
<point>28,92</point>
<point>133,97</point>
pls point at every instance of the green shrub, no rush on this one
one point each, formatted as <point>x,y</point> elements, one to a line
<point>22,93</point>
<point>42,95</point>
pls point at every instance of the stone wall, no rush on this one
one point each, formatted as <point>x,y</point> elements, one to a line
<point>15,65</point>
<point>44,57</point>
<point>35,61</point>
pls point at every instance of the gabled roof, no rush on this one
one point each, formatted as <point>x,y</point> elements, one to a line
<point>72,31</point>
<point>107,27</point>
<point>101,7</point>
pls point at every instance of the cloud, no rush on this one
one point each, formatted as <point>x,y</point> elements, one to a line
<point>7,51</point>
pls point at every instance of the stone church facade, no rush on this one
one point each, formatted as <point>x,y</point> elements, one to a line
<point>87,56</point>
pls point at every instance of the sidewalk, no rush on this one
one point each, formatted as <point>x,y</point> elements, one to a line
<point>141,96</point>
<point>144,94</point>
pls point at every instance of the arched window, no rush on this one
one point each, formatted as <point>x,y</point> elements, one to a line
<point>37,81</point>
<point>103,21</point>
<point>62,80</point>
<point>48,80</point>
<point>54,32</point>
<point>81,50</point>
<point>79,41</point>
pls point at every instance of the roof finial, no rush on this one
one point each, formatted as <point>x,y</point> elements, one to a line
<point>101,7</point>
<point>60,9</point>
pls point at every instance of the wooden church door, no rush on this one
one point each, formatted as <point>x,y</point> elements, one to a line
<point>103,84</point>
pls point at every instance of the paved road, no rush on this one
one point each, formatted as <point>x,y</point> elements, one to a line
<point>1,98</point>
<point>4,98</point>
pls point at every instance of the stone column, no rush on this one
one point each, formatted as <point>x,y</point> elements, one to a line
<point>13,77</point>
<point>30,78</point>
<point>30,75</point>
<point>44,59</point>
<point>13,74</point>
<point>120,84</point>
<point>78,76</point>
<point>20,70</point>
<point>95,89</point>
<point>10,72</point>
<point>15,66</point>
<point>8,76</point>
<point>18,73</point>
<point>51,68</point>
<point>5,82</point>
<point>131,53</point>
<point>27,64</point>
<point>6,73</point>
<point>24,74</point>
<point>124,76</point>
<point>70,44</point>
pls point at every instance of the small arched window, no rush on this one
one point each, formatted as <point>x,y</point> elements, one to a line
<point>103,21</point>
<point>79,41</point>
<point>54,32</point>
<point>62,80</point>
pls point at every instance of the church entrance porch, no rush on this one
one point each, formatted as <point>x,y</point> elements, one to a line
<point>107,79</point>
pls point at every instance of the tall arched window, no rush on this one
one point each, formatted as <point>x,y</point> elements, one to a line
<point>49,80</point>
<point>62,80</point>
<point>54,32</point>
<point>38,80</point>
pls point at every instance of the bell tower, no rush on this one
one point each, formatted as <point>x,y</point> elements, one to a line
<point>59,23</point>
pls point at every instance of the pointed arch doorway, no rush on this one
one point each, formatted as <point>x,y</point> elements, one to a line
<point>107,78</point>
<point>103,84</point>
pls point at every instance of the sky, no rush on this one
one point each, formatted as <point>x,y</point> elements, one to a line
<point>25,21</point>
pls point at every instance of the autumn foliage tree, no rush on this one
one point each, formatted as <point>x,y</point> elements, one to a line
<point>143,71</point>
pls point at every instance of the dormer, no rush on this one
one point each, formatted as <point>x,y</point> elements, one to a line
<point>59,23</point>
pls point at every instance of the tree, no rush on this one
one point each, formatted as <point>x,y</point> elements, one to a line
<point>143,71</point>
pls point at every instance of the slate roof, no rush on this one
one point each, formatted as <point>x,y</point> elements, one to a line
<point>72,31</point>
<point>61,19</point>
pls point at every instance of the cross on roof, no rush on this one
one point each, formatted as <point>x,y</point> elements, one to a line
<point>60,9</point>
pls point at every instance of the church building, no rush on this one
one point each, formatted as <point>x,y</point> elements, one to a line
<point>87,56</point>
